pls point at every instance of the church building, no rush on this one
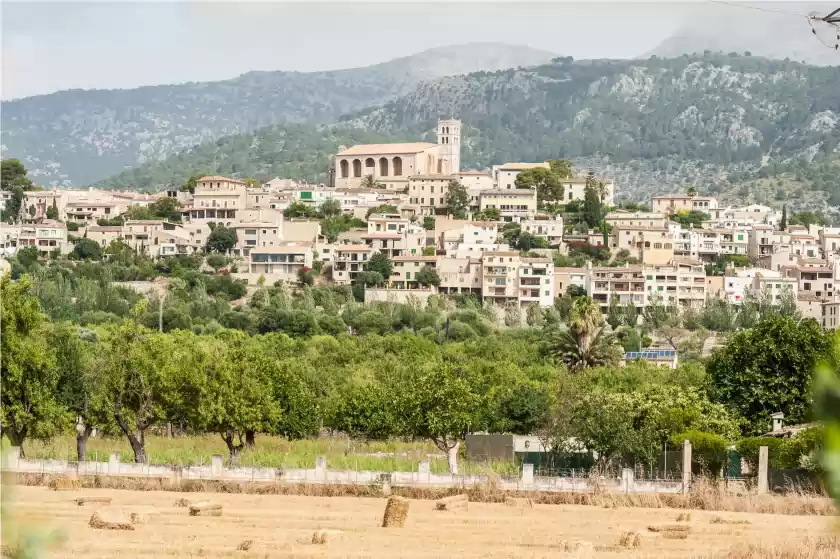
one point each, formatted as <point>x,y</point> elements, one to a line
<point>392,164</point>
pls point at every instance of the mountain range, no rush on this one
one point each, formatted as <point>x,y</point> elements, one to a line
<point>713,121</point>
<point>78,137</point>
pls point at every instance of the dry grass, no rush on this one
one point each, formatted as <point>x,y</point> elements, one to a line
<point>683,517</point>
<point>205,509</point>
<point>245,545</point>
<point>325,536</point>
<point>703,497</point>
<point>138,518</point>
<point>282,527</point>
<point>455,502</point>
<point>819,548</point>
<point>665,528</point>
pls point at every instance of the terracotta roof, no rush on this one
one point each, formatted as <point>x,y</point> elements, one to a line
<point>353,248</point>
<point>218,178</point>
<point>501,253</point>
<point>570,270</point>
<point>376,149</point>
<point>104,229</point>
<point>523,166</point>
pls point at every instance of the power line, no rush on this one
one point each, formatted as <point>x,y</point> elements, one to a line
<point>758,8</point>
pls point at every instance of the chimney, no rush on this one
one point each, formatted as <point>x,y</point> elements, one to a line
<point>778,421</point>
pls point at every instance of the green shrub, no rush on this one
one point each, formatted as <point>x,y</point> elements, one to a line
<point>748,449</point>
<point>708,449</point>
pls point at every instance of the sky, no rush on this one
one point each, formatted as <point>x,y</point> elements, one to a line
<point>51,46</point>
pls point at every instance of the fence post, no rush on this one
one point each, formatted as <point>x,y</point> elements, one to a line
<point>628,480</point>
<point>762,470</point>
<point>217,463</point>
<point>321,467</point>
<point>114,463</point>
<point>527,474</point>
<point>424,472</point>
<point>686,473</point>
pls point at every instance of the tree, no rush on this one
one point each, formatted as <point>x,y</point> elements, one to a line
<point>330,207</point>
<point>692,191</point>
<point>221,240</point>
<point>827,410</point>
<point>191,183</point>
<point>299,209</point>
<point>28,375</point>
<point>13,179</point>
<point>251,182</point>
<point>382,209</point>
<point>591,204</point>
<point>457,200</point>
<point>217,261</point>
<point>562,168</point>
<point>234,394</point>
<point>369,182</point>
<point>79,387</point>
<point>139,366</point>
<point>527,241</point>
<point>783,224</point>
<point>768,369</point>
<point>615,314</point>
<point>86,249</point>
<point>691,218</point>
<point>808,218</point>
<point>428,276</point>
<point>524,410</point>
<point>488,214</point>
<point>429,223</point>
<point>166,209</point>
<point>585,343</point>
<point>544,181</point>
<point>439,403</point>
<point>380,263</point>
<point>52,211</point>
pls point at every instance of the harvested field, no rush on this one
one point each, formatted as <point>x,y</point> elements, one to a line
<point>283,526</point>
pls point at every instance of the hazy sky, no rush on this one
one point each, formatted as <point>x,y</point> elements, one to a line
<point>49,46</point>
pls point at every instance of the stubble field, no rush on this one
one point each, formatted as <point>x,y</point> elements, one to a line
<point>282,526</point>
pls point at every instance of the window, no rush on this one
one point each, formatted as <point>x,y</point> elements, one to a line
<point>657,245</point>
<point>248,231</point>
<point>807,286</point>
<point>547,293</point>
<point>250,242</point>
<point>500,281</point>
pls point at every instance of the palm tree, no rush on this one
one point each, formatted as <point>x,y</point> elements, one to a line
<point>369,182</point>
<point>585,343</point>
<point>692,191</point>
<point>579,352</point>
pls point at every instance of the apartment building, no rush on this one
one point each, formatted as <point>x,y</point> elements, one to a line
<point>349,260</point>
<point>709,244</point>
<point>9,235</point>
<point>500,277</point>
<point>428,192</point>
<point>218,199</point>
<point>396,244</point>
<point>815,278</point>
<point>407,268</point>
<point>626,283</point>
<point>104,235</point>
<point>47,236</point>
<point>460,275</point>
<point>650,246</point>
<point>476,180</point>
<point>472,233</point>
<point>504,176</point>
<point>648,220</point>
<point>566,277</point>
<point>513,205</point>
<point>681,282</point>
<point>536,281</point>
<point>84,213</point>
<point>774,284</point>
<point>251,235</point>
<point>830,315</point>
<point>674,203</point>
<point>549,229</point>
<point>733,241</point>
<point>282,262</point>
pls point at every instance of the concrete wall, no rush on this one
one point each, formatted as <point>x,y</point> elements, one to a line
<point>423,477</point>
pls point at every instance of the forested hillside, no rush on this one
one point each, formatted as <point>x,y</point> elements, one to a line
<point>656,125</point>
<point>77,137</point>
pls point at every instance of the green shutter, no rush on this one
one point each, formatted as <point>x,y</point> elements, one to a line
<point>306,196</point>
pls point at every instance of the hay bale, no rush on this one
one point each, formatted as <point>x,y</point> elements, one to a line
<point>519,502</point>
<point>396,511</point>
<point>64,483</point>
<point>719,520</point>
<point>182,503</point>
<point>684,517</point>
<point>205,508</point>
<point>675,535</point>
<point>110,522</point>
<point>630,539</point>
<point>578,549</point>
<point>322,537</point>
<point>137,518</point>
<point>82,501</point>
<point>455,502</point>
<point>245,545</point>
<point>669,528</point>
